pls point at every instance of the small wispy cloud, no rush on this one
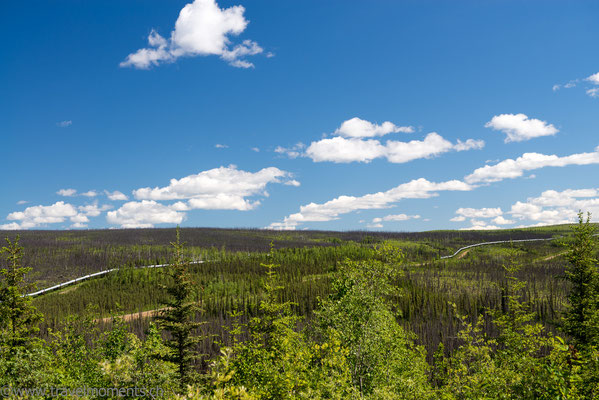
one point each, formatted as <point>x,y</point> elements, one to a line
<point>592,92</point>
<point>64,124</point>
<point>568,85</point>
<point>378,222</point>
<point>116,195</point>
<point>292,182</point>
<point>67,192</point>
<point>73,192</point>
<point>293,151</point>
<point>221,146</point>
<point>91,193</point>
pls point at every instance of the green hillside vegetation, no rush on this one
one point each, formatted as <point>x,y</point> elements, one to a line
<point>232,282</point>
<point>58,256</point>
<point>319,315</point>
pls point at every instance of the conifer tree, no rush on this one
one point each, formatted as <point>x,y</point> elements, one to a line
<point>18,318</point>
<point>581,320</point>
<point>178,317</point>
<point>278,361</point>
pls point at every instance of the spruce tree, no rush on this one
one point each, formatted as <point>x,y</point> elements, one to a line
<point>19,319</point>
<point>178,317</point>
<point>581,320</point>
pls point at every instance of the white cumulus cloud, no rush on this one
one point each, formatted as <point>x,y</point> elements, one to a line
<point>470,144</point>
<point>556,207</point>
<point>479,212</point>
<point>73,192</point>
<point>478,225</point>
<point>500,220</point>
<point>35,216</point>
<point>342,150</point>
<point>351,143</point>
<point>225,188</point>
<point>144,214</point>
<point>432,145</point>
<point>202,29</point>
<point>13,226</point>
<point>594,78</point>
<point>510,169</point>
<point>331,210</point>
<point>116,195</point>
<point>552,207</point>
<point>377,222</point>
<point>59,212</point>
<point>93,210</point>
<point>518,127</point>
<point>475,215</point>
<point>359,128</point>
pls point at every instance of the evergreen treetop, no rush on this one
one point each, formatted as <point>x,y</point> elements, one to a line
<point>581,320</point>
<point>178,317</point>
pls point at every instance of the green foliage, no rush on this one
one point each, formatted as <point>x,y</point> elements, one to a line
<point>383,360</point>
<point>131,362</point>
<point>357,343</point>
<point>278,361</point>
<point>581,320</point>
<point>76,361</point>
<point>27,368</point>
<point>522,362</point>
<point>83,356</point>
<point>231,280</point>
<point>19,319</point>
<point>178,318</point>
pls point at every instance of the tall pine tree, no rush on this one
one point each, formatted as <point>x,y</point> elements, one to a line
<point>178,317</point>
<point>19,319</point>
<point>581,320</point>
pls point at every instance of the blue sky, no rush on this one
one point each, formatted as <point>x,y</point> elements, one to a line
<point>393,115</point>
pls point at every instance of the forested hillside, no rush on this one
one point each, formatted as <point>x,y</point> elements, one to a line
<point>273,315</point>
